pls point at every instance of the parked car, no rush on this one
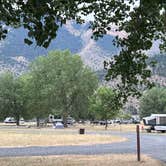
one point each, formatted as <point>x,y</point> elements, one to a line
<point>70,121</point>
<point>9,120</point>
<point>58,125</point>
<point>117,121</point>
<point>124,122</point>
<point>136,121</point>
<point>96,122</point>
<point>22,121</point>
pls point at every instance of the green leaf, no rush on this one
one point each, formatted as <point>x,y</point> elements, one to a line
<point>27,41</point>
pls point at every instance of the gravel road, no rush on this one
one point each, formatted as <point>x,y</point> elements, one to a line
<point>151,144</point>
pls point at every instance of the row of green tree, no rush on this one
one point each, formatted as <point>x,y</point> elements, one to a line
<point>153,101</point>
<point>60,84</point>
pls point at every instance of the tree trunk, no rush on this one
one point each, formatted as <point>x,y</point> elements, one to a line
<point>65,119</point>
<point>106,124</point>
<point>17,120</point>
<point>37,121</point>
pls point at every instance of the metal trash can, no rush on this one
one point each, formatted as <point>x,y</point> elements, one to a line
<point>82,131</point>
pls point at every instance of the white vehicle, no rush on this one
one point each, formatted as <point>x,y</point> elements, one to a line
<point>12,120</point>
<point>52,119</point>
<point>58,125</point>
<point>9,120</point>
<point>156,122</point>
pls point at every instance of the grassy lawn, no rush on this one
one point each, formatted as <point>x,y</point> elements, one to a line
<point>88,127</point>
<point>112,127</point>
<point>22,136</point>
<point>79,160</point>
<point>51,137</point>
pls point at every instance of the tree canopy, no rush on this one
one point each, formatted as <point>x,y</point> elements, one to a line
<point>60,83</point>
<point>153,102</point>
<point>12,98</point>
<point>143,21</point>
<point>104,104</point>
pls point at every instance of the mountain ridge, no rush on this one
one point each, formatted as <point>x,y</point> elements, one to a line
<point>76,38</point>
<point>15,55</point>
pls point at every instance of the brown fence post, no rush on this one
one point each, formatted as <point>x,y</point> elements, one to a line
<point>138,143</point>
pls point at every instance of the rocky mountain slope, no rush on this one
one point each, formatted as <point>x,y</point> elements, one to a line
<point>15,55</point>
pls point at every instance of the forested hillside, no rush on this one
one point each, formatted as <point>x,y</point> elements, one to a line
<point>160,67</point>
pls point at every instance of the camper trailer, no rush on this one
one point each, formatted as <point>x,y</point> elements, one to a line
<point>156,122</point>
<point>52,119</point>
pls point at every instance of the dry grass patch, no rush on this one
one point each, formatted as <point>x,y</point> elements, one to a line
<point>78,160</point>
<point>88,127</point>
<point>111,127</point>
<point>43,139</point>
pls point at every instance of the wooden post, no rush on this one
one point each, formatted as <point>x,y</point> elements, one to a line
<point>138,143</point>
